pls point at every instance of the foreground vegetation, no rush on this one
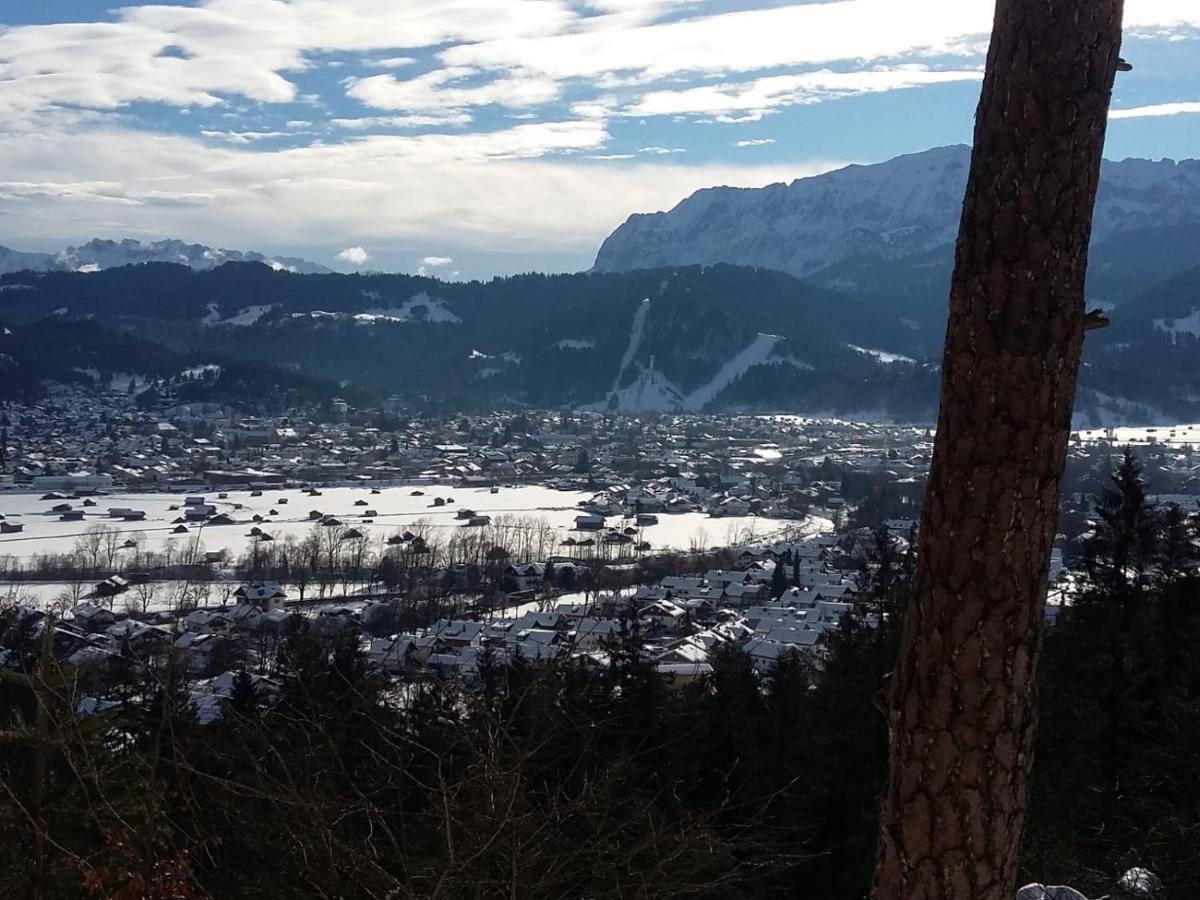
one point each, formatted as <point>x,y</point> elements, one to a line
<point>594,779</point>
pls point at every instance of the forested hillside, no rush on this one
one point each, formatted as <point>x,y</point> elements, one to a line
<point>861,342</point>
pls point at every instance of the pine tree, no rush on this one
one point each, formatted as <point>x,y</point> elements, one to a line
<point>779,582</point>
<point>243,698</point>
<point>962,702</point>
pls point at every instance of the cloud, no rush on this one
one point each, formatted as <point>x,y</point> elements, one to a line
<point>391,62</point>
<point>247,137</point>
<point>356,256</point>
<point>514,53</point>
<point>1154,111</point>
<point>435,262</point>
<point>754,142</point>
<point>500,200</point>
<point>661,151</point>
<point>455,87</point>
<point>750,100</point>
<point>419,120</point>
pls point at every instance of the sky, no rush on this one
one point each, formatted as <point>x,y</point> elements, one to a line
<point>468,138</point>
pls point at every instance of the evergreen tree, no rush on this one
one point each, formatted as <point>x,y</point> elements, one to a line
<point>779,582</point>
<point>243,698</point>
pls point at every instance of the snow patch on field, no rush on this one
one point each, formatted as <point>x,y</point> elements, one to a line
<point>1189,324</point>
<point>882,355</point>
<point>575,344</point>
<point>16,287</point>
<point>246,316</point>
<point>435,310</point>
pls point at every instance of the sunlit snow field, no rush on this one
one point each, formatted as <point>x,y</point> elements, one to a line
<point>394,508</point>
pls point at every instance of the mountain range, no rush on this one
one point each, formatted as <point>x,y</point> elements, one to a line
<point>880,220</point>
<point>854,328</point>
<point>97,255</point>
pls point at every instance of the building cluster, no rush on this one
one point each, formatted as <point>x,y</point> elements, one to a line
<point>773,601</point>
<point>80,439</point>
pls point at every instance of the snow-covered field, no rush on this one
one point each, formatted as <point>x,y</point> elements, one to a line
<point>394,507</point>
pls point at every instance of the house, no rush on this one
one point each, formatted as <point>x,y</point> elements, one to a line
<point>685,650</point>
<point>392,654</point>
<point>455,633</point>
<point>140,639</point>
<point>680,675</point>
<point>662,613</point>
<point>11,528</point>
<point>264,595</point>
<point>110,587</point>
<point>93,618</point>
<point>731,506</point>
<point>682,586</point>
<point>526,576</point>
<point>744,594</point>
<point>202,653</point>
<point>199,620</point>
<point>589,522</point>
<point>765,655</point>
<point>591,634</point>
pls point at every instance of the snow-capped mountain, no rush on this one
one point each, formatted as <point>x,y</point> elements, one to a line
<point>18,261</point>
<point>903,207</point>
<point>101,254</point>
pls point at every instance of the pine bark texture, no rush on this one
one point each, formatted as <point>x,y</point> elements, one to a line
<point>961,704</point>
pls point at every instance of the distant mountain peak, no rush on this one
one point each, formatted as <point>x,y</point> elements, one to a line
<point>900,208</point>
<point>101,253</point>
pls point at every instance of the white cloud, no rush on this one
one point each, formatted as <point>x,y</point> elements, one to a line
<point>498,196</point>
<point>754,142</point>
<point>435,262</point>
<point>391,62</point>
<point>512,52</point>
<point>246,137</point>
<point>356,256</point>
<point>448,88</point>
<point>67,141</point>
<point>750,100</point>
<point>1154,111</point>
<point>419,120</point>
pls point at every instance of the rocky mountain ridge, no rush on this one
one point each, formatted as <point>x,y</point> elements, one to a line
<point>97,255</point>
<point>897,210</point>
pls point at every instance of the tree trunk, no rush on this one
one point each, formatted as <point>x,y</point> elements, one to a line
<point>962,701</point>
